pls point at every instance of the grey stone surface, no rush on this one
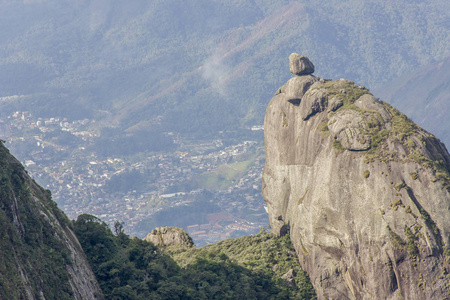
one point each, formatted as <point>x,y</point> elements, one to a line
<point>314,101</point>
<point>334,103</point>
<point>348,127</point>
<point>369,102</point>
<point>300,65</point>
<point>169,236</point>
<point>343,224</point>
<point>289,277</point>
<point>296,87</point>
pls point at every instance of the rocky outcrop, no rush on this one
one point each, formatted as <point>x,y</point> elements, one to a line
<point>300,65</point>
<point>362,191</point>
<point>41,257</point>
<point>169,236</point>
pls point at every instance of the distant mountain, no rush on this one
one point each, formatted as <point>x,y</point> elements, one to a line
<point>424,96</point>
<point>199,67</point>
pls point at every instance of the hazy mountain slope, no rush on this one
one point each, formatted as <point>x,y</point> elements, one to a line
<point>424,95</point>
<point>194,62</point>
<point>40,255</point>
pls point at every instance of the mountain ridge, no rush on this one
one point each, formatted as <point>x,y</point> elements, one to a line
<point>104,57</point>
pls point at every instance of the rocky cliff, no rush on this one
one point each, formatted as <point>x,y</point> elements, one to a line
<point>41,257</point>
<point>362,190</point>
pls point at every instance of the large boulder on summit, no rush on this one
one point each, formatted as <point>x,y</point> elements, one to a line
<point>300,65</point>
<point>363,192</point>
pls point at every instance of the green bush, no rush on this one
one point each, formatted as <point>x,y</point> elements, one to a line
<point>366,174</point>
<point>338,146</point>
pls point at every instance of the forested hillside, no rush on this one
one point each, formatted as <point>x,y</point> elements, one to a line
<point>251,267</point>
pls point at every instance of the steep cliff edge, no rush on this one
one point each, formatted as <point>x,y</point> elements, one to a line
<point>41,257</point>
<point>363,192</point>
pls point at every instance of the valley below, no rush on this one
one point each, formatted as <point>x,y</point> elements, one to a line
<point>211,188</point>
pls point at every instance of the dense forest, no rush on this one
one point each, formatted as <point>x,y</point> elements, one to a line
<point>250,267</point>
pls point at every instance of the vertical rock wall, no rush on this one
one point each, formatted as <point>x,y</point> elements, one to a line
<point>362,191</point>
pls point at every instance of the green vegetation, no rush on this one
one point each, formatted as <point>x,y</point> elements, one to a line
<point>220,178</point>
<point>414,175</point>
<point>113,143</point>
<point>300,201</point>
<point>183,215</point>
<point>324,128</point>
<point>430,224</point>
<point>347,91</point>
<point>397,241</point>
<point>403,130</point>
<point>410,143</point>
<point>396,204</point>
<point>411,246</point>
<point>400,185</point>
<point>263,254</point>
<point>337,146</point>
<point>226,175</point>
<point>377,137</point>
<point>30,242</point>
<point>402,127</point>
<point>130,268</point>
<point>366,174</point>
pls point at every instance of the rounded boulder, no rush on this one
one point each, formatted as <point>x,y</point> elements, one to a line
<point>300,65</point>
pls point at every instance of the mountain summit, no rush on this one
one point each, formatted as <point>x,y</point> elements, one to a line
<point>363,192</point>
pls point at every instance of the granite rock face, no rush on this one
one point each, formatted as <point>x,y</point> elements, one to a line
<point>300,65</point>
<point>362,191</point>
<point>169,236</point>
